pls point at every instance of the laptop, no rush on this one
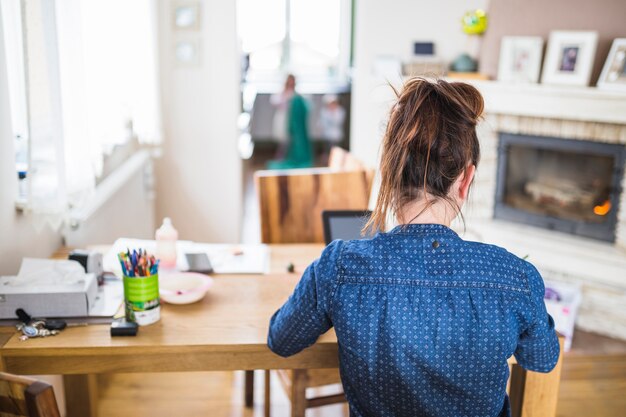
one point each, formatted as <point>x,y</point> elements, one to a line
<point>344,224</point>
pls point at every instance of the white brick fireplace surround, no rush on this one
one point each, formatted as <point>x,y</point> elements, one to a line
<point>573,113</point>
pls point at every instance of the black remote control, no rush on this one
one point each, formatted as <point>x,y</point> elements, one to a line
<point>121,327</point>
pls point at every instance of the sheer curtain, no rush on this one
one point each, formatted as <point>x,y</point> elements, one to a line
<point>47,194</point>
<point>92,82</point>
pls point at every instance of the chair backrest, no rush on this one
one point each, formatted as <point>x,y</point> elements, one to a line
<point>291,201</point>
<point>535,394</point>
<point>340,159</point>
<point>26,397</point>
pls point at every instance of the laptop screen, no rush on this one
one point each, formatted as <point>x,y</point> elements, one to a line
<point>344,224</point>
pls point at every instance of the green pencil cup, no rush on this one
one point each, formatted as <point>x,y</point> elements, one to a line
<point>141,299</point>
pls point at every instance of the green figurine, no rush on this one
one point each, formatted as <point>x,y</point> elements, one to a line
<point>475,22</point>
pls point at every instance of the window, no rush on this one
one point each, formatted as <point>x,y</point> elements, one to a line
<point>82,79</point>
<point>309,38</point>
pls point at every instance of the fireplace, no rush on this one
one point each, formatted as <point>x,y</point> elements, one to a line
<point>571,186</point>
<point>519,146</point>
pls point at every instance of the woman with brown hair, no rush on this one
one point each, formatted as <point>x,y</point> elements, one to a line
<point>425,321</point>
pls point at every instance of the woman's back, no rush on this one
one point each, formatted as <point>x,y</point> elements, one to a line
<point>425,322</point>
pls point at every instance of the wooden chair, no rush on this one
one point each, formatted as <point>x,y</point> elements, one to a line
<point>342,160</point>
<point>291,201</point>
<point>535,394</point>
<point>291,204</point>
<point>20,396</point>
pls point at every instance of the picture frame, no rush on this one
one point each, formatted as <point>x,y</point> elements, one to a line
<point>520,59</point>
<point>569,58</point>
<point>613,76</point>
<point>186,16</point>
<point>187,52</point>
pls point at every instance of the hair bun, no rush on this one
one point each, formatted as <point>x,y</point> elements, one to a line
<point>470,98</point>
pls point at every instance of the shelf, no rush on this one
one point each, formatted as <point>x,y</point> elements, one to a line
<point>588,104</point>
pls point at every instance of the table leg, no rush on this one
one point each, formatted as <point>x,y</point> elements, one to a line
<point>81,395</point>
<point>298,392</point>
<point>268,395</point>
<point>249,389</point>
<point>516,390</point>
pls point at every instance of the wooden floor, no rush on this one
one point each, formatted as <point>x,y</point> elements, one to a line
<point>220,394</point>
<point>592,398</point>
<point>196,394</point>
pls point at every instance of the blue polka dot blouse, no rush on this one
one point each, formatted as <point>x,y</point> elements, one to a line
<point>425,321</point>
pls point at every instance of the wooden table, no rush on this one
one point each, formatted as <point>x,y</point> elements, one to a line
<point>227,330</point>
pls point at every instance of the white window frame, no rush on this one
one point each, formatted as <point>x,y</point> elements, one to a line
<point>345,53</point>
<point>13,35</point>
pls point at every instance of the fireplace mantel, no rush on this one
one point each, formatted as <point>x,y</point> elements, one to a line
<point>588,104</point>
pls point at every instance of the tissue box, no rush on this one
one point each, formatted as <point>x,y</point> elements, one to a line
<point>48,299</point>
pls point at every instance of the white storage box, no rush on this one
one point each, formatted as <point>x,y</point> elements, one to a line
<point>562,302</point>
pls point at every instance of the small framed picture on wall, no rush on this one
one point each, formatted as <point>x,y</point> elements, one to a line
<point>613,75</point>
<point>520,59</point>
<point>186,16</point>
<point>569,58</point>
<point>187,52</point>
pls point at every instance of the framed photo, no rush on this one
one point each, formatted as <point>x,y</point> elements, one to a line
<point>186,15</point>
<point>187,52</point>
<point>569,58</point>
<point>520,59</point>
<point>613,75</point>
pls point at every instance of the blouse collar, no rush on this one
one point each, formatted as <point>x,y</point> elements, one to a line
<point>423,229</point>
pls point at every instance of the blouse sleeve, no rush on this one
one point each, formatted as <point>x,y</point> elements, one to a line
<point>306,314</point>
<point>538,346</point>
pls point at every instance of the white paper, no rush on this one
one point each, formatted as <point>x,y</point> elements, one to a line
<point>233,259</point>
<point>253,259</point>
<point>109,299</point>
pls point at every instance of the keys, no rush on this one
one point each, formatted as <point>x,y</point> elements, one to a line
<point>37,328</point>
<point>55,325</point>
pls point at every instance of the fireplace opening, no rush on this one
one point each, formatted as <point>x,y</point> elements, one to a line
<point>571,186</point>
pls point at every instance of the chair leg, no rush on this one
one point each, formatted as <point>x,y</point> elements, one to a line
<point>81,395</point>
<point>268,393</point>
<point>298,392</point>
<point>249,389</point>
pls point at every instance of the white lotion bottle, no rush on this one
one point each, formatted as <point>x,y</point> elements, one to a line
<point>166,237</point>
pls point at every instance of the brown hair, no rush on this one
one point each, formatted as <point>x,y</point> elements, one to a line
<point>429,142</point>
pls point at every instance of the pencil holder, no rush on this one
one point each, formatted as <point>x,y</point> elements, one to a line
<point>141,299</point>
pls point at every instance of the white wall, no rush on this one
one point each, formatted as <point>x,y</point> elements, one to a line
<point>199,176</point>
<point>17,235</point>
<point>389,28</point>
